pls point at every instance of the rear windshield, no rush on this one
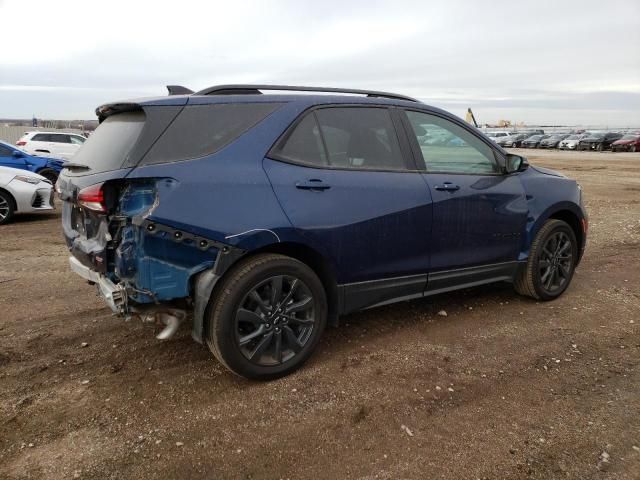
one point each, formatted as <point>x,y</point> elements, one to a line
<point>108,147</point>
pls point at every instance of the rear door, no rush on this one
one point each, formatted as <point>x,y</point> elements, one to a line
<point>344,181</point>
<point>61,145</point>
<point>479,213</point>
<point>40,143</point>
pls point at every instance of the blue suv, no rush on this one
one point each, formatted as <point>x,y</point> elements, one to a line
<point>13,157</point>
<point>263,213</point>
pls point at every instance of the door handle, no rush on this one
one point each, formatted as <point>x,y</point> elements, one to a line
<point>314,184</point>
<point>447,187</point>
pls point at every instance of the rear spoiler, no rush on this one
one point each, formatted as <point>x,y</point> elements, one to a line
<point>179,90</point>
<point>104,111</point>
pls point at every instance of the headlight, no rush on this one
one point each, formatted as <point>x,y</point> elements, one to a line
<point>27,179</point>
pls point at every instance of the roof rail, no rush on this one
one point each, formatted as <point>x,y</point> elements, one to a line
<point>256,90</point>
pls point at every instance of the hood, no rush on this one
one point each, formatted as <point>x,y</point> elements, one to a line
<point>19,171</point>
<point>548,171</point>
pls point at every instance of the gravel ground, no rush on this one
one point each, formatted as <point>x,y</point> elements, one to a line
<point>502,387</point>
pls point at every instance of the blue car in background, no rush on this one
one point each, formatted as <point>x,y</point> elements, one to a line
<point>13,157</point>
<point>264,217</point>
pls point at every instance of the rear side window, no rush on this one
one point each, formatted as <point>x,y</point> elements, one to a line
<point>58,138</point>
<point>304,144</point>
<point>76,140</point>
<point>108,147</point>
<point>41,137</point>
<point>345,137</point>
<point>201,130</point>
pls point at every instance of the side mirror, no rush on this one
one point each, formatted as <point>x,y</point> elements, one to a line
<point>516,163</point>
<point>18,154</point>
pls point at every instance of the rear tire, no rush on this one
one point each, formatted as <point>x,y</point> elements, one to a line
<point>267,317</point>
<point>49,174</point>
<point>551,263</point>
<point>7,208</point>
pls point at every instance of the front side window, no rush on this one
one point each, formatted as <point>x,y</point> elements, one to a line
<point>450,148</point>
<point>362,138</point>
<point>5,151</point>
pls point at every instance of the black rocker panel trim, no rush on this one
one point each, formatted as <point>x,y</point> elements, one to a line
<point>375,293</point>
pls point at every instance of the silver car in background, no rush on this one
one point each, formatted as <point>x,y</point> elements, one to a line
<point>22,191</point>
<point>571,142</point>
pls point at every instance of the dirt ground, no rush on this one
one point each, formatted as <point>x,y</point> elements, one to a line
<point>501,388</point>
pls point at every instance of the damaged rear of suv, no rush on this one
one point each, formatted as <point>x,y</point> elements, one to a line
<point>265,217</point>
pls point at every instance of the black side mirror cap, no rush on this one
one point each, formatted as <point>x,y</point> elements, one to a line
<point>515,163</point>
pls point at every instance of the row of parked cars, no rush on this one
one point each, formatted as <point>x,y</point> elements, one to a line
<point>599,141</point>
<point>29,170</point>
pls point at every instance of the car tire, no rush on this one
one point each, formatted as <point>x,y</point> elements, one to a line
<point>551,263</point>
<point>49,174</point>
<point>266,317</point>
<point>7,207</point>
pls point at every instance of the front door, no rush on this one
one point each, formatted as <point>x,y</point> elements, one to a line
<point>479,213</point>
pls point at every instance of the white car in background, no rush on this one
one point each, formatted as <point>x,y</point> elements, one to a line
<point>22,191</point>
<point>52,144</point>
<point>495,136</point>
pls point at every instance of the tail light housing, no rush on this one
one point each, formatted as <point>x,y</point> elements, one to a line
<point>92,198</point>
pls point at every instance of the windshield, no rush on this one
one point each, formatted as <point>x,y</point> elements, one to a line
<point>630,137</point>
<point>535,137</point>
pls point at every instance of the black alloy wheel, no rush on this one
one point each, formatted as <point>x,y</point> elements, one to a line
<point>275,320</point>
<point>552,260</point>
<point>555,262</point>
<point>266,316</point>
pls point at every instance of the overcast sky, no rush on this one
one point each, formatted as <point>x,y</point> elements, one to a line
<point>553,62</point>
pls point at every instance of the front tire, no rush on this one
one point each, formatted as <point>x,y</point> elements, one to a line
<point>267,317</point>
<point>6,208</point>
<point>551,263</point>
